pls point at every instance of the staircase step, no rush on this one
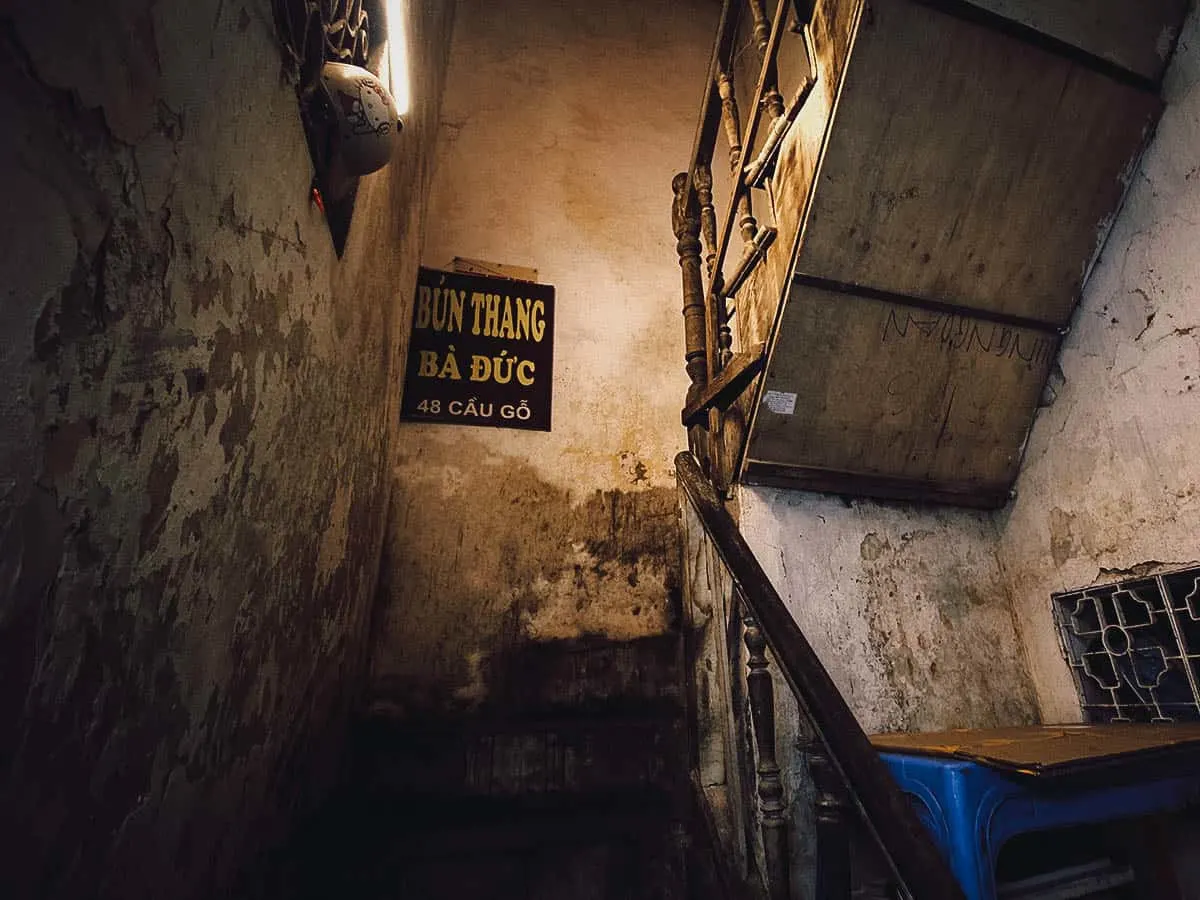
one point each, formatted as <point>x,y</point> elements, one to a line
<point>613,869</point>
<point>566,781</point>
<point>627,847</point>
<point>554,678</point>
<point>576,755</point>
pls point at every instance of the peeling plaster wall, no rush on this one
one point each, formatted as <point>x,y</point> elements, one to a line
<point>562,128</point>
<point>197,401</point>
<point>905,605</point>
<point>1110,483</point>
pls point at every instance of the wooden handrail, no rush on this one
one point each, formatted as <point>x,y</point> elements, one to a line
<point>755,172</point>
<point>710,106</point>
<point>754,254</point>
<point>914,859</point>
<point>726,387</point>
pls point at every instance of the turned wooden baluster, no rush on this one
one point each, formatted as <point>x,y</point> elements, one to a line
<point>722,351</point>
<point>833,839</point>
<point>724,333</point>
<point>770,785</point>
<point>730,119</point>
<point>762,28</point>
<point>771,99</point>
<point>747,225</point>
<point>733,133</point>
<point>685,220</point>
<point>708,216</point>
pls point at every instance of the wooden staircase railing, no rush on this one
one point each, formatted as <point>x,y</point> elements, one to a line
<point>853,785</point>
<point>703,234</point>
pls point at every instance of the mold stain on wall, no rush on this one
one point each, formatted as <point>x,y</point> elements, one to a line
<point>486,556</point>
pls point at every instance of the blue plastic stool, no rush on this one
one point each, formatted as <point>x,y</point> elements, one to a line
<point>972,809</point>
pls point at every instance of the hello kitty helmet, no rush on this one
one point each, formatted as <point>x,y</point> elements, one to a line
<point>367,120</point>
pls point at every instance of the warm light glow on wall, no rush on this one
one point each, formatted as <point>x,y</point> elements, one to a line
<point>398,55</point>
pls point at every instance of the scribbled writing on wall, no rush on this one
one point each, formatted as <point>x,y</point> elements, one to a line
<point>962,334</point>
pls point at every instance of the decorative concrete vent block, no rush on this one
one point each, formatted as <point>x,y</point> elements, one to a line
<point>1134,647</point>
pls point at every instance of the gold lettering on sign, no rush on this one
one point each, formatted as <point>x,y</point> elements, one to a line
<point>440,309</point>
<point>499,315</point>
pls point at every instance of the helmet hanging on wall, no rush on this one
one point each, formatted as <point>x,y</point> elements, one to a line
<point>367,121</point>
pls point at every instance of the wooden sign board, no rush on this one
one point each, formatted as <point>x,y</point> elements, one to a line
<point>464,266</point>
<point>481,352</point>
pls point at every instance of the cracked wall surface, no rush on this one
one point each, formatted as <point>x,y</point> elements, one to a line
<point>1110,484</point>
<point>556,150</point>
<point>197,403</point>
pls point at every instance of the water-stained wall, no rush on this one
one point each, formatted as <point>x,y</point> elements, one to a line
<point>1110,484</point>
<point>197,399</point>
<point>906,606</point>
<point>562,128</point>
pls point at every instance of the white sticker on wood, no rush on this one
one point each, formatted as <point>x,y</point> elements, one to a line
<point>780,402</point>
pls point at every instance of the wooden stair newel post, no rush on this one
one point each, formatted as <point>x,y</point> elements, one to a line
<point>714,324</point>
<point>761,693</point>
<point>833,838</point>
<point>685,221</point>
